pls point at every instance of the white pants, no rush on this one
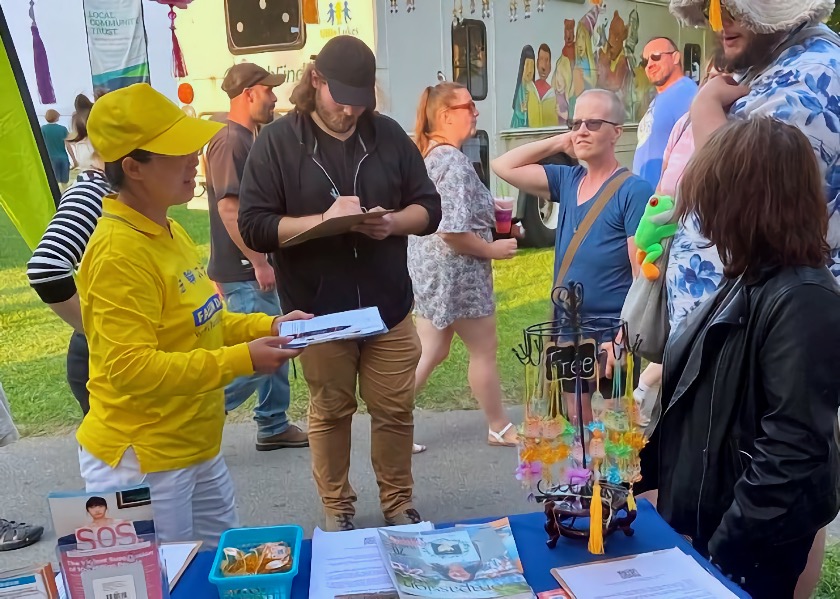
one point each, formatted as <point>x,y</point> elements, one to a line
<point>190,504</point>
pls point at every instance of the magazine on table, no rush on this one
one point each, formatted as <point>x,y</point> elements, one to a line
<point>353,324</point>
<point>464,562</point>
<point>107,545</point>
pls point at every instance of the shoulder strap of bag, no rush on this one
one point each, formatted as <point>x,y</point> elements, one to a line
<point>601,201</point>
<point>435,146</point>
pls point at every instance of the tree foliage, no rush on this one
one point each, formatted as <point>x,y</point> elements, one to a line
<point>834,19</point>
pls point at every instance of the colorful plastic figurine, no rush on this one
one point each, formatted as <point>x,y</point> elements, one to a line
<point>654,227</point>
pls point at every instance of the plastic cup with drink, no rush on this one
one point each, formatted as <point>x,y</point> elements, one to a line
<point>504,215</point>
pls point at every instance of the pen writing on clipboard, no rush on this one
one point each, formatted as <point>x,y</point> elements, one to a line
<point>335,196</point>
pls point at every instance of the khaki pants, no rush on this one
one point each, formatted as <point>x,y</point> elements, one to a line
<point>384,366</point>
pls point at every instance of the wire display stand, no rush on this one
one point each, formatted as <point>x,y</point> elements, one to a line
<point>579,444</point>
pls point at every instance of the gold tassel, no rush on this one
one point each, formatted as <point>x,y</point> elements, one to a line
<point>596,518</point>
<point>631,502</point>
<point>715,15</point>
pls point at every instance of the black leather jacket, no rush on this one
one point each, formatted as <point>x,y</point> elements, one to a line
<point>745,455</point>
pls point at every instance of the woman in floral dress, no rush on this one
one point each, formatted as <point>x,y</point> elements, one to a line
<point>451,271</point>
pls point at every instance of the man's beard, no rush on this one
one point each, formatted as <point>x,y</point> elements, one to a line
<point>757,52</point>
<point>338,123</point>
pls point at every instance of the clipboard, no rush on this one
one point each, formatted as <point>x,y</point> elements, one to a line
<point>333,226</point>
<point>174,578</point>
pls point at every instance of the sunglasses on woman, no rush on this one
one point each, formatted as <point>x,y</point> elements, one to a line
<point>591,124</point>
<point>655,57</point>
<point>468,106</point>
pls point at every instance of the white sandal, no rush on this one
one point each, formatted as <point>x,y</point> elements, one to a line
<point>417,448</point>
<point>498,439</point>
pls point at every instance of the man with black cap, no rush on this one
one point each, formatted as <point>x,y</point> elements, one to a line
<point>246,278</point>
<point>334,156</point>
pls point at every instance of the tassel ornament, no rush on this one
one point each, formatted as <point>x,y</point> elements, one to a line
<point>596,516</point>
<point>43,78</point>
<point>179,66</point>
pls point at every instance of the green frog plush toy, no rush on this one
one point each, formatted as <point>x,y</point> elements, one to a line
<point>654,228</point>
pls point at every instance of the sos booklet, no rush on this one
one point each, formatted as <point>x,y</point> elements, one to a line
<point>107,546</point>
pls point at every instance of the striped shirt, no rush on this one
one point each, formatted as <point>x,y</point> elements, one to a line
<point>53,264</point>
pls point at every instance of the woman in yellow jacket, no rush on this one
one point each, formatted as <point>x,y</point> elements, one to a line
<point>162,346</point>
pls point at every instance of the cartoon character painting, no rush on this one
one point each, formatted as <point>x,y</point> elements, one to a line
<point>584,73</point>
<point>569,40</point>
<point>614,72</point>
<point>525,95</point>
<point>596,52</point>
<point>562,85</point>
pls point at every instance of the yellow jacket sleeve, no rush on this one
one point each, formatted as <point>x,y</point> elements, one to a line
<point>124,311</point>
<point>242,328</point>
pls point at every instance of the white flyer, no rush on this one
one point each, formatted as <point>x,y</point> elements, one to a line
<point>349,563</point>
<point>667,574</point>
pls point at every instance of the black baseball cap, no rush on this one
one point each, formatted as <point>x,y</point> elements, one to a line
<point>349,67</point>
<point>247,74</point>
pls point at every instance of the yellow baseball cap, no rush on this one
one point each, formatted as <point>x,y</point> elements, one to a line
<point>139,118</point>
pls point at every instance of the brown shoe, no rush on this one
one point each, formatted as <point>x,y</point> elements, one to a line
<point>291,437</point>
<point>409,516</point>
<point>338,522</point>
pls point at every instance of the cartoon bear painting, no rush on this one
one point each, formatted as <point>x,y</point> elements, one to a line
<point>569,40</point>
<point>614,70</point>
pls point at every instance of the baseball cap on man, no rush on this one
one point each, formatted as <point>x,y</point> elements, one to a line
<point>247,74</point>
<point>139,118</point>
<point>349,67</point>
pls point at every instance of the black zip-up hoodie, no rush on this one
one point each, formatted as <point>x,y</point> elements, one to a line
<point>283,178</point>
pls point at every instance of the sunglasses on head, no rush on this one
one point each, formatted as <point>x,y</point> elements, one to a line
<point>467,106</point>
<point>591,124</point>
<point>655,57</point>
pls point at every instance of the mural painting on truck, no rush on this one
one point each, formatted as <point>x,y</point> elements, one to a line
<point>583,45</point>
<point>596,52</point>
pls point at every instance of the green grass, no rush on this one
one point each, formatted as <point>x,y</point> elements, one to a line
<point>33,340</point>
<point>829,587</point>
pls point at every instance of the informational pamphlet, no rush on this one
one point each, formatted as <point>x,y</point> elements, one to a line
<point>349,564</point>
<point>668,574</point>
<point>467,562</point>
<point>353,324</point>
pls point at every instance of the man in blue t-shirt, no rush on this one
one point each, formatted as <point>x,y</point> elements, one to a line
<point>602,263</point>
<point>675,91</point>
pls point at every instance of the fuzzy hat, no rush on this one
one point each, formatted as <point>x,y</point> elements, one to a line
<point>759,16</point>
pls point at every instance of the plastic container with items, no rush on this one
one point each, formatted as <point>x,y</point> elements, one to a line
<point>257,563</point>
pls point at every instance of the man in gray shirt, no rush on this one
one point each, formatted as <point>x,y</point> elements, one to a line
<point>246,278</point>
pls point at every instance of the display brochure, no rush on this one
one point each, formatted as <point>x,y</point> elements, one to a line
<point>29,583</point>
<point>349,565</point>
<point>469,562</point>
<point>176,557</point>
<point>668,574</point>
<point>353,324</point>
<point>107,546</point>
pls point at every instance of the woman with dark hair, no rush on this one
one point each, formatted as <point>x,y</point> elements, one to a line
<point>745,455</point>
<point>524,86</point>
<point>53,264</point>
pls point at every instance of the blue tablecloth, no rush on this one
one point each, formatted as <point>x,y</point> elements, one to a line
<point>652,534</point>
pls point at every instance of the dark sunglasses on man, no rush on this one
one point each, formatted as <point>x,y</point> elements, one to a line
<point>591,124</point>
<point>655,57</point>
